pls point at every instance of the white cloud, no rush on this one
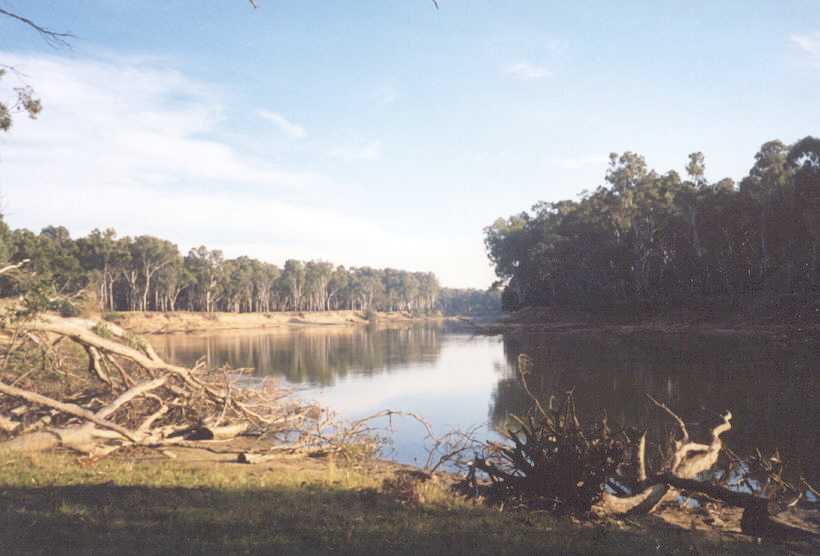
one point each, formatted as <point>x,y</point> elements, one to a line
<point>139,148</point>
<point>371,150</point>
<point>119,124</point>
<point>292,129</point>
<point>526,71</point>
<point>133,145</point>
<point>809,44</point>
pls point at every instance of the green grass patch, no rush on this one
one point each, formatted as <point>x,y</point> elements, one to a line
<point>113,316</point>
<point>53,504</point>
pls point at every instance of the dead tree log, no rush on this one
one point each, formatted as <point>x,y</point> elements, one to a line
<point>690,459</point>
<point>153,403</point>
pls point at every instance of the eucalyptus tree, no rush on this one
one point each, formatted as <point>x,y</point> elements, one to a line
<point>264,279</point>
<point>148,273</point>
<point>367,288</point>
<point>804,157</point>
<point>52,255</point>
<point>98,252</point>
<point>173,279</point>
<point>206,268</point>
<point>338,288</point>
<point>317,279</point>
<point>293,283</point>
<point>150,254</point>
<point>650,237</point>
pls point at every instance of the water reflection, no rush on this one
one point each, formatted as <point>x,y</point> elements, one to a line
<point>457,379</point>
<point>313,356</point>
<point>770,384</point>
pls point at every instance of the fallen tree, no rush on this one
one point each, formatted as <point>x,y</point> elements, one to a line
<point>126,395</point>
<point>551,461</point>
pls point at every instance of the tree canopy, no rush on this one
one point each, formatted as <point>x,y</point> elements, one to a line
<point>147,273</point>
<point>657,238</point>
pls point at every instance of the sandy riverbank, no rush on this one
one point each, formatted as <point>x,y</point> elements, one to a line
<point>184,321</point>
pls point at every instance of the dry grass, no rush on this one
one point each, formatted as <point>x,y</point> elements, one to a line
<point>198,503</point>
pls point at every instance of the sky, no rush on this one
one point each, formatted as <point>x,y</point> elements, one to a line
<point>384,133</point>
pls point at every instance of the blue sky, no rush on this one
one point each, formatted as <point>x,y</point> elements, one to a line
<point>383,133</point>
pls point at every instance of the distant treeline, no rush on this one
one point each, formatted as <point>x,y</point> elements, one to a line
<point>650,238</point>
<point>146,273</point>
<point>469,301</point>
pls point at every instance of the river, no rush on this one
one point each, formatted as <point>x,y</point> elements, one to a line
<point>455,378</point>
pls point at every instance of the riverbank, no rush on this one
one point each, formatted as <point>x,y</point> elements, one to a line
<point>201,503</point>
<point>140,322</point>
<point>781,316</point>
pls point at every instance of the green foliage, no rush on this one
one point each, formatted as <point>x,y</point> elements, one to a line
<point>24,102</point>
<point>37,295</point>
<point>102,330</point>
<point>65,308</point>
<point>146,273</point>
<point>470,301</point>
<point>656,239</point>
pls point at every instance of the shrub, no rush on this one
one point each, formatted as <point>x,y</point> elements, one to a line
<point>101,329</point>
<point>66,308</point>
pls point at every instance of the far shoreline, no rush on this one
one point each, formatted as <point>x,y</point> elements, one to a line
<point>187,322</point>
<point>778,319</point>
<point>539,319</point>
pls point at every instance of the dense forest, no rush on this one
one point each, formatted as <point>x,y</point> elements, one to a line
<point>649,238</point>
<point>452,301</point>
<point>146,273</point>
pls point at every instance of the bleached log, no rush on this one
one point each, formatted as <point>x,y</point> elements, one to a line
<point>689,459</point>
<point>7,425</point>
<point>641,503</point>
<point>68,408</point>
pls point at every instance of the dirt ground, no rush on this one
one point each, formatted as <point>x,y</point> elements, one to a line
<point>183,321</point>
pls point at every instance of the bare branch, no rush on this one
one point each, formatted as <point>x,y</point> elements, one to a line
<point>680,422</point>
<point>68,408</point>
<point>11,267</point>
<point>53,38</point>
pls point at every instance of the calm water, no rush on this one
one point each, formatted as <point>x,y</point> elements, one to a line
<point>457,379</point>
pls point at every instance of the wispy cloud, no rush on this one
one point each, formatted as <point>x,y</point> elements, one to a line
<point>143,148</point>
<point>122,124</point>
<point>526,71</point>
<point>290,128</point>
<point>385,95</point>
<point>809,44</point>
<point>371,150</point>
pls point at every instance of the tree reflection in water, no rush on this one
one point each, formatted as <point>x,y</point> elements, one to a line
<point>452,377</point>
<point>770,384</point>
<point>312,356</point>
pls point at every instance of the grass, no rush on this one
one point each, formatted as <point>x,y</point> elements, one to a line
<point>55,504</point>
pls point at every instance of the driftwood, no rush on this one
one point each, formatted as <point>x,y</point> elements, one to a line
<point>138,398</point>
<point>129,396</point>
<point>551,461</point>
<point>691,459</point>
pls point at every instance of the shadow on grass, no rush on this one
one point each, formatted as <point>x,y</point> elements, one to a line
<point>105,518</point>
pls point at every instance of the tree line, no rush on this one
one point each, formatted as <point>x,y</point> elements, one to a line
<point>459,301</point>
<point>647,237</point>
<point>147,273</point>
